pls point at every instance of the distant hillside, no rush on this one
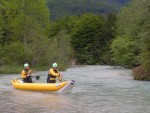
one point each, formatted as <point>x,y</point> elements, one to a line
<point>60,8</point>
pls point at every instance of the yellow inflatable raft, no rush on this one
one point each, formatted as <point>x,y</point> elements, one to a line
<point>64,86</point>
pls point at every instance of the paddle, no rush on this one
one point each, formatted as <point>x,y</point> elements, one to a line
<point>33,76</point>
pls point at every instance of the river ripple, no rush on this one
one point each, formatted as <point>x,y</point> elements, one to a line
<point>98,89</point>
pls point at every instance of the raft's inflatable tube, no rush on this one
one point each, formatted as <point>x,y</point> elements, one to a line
<point>64,86</point>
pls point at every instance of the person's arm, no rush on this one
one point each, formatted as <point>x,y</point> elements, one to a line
<point>23,74</point>
<point>29,73</point>
<point>53,73</point>
<point>60,77</point>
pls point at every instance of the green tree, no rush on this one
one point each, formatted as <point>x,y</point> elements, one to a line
<point>7,13</point>
<point>24,23</point>
<point>63,24</point>
<point>133,21</point>
<point>61,50</point>
<point>123,49</point>
<point>145,35</point>
<point>88,39</point>
<point>109,31</point>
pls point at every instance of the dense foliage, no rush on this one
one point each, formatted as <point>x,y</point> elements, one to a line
<point>90,39</point>
<point>24,26</point>
<point>132,44</point>
<point>123,49</point>
<point>23,30</point>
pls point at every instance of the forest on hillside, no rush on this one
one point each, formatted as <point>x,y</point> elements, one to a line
<point>61,8</point>
<point>27,34</point>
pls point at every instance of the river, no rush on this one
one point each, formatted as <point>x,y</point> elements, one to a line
<point>98,89</point>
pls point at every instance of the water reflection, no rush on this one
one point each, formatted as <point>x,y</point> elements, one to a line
<point>28,101</point>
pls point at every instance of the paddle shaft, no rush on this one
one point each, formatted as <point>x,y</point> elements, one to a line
<point>35,76</point>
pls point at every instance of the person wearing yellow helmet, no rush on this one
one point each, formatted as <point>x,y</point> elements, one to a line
<point>26,74</point>
<point>53,73</point>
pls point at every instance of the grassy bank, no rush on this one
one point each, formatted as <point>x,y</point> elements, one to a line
<point>141,74</point>
<point>17,69</point>
<point>10,69</point>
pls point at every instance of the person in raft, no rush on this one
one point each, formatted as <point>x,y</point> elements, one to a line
<point>26,74</point>
<point>53,73</point>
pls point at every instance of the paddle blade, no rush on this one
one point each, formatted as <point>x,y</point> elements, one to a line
<point>37,77</point>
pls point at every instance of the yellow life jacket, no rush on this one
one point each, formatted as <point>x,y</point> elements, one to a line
<point>52,74</point>
<point>24,73</point>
